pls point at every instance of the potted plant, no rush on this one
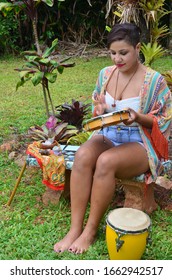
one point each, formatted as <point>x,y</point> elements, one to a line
<point>65,127</point>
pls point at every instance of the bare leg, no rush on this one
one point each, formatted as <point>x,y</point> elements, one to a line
<point>119,162</point>
<point>80,187</point>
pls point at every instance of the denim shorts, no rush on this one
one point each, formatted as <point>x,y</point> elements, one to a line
<point>121,134</point>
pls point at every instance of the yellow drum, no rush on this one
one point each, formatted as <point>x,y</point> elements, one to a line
<point>127,233</point>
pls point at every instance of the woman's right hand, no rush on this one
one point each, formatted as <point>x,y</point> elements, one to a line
<point>100,106</point>
<point>99,109</point>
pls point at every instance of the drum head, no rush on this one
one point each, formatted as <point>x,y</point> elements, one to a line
<point>128,219</point>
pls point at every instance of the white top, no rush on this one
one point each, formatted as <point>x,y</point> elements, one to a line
<point>132,103</point>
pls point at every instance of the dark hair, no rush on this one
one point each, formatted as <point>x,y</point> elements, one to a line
<point>128,32</point>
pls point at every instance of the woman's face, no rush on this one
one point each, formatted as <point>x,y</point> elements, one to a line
<point>124,55</point>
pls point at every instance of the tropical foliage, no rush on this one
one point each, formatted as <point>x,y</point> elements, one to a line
<point>40,65</point>
<point>59,131</point>
<point>42,69</point>
<point>73,114</point>
<point>75,22</point>
<point>66,127</point>
<point>151,52</point>
<point>79,139</point>
<point>30,9</point>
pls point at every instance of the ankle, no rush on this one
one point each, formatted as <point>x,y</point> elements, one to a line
<point>90,231</point>
<point>76,229</point>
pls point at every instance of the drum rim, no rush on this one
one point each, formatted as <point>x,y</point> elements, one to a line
<point>106,115</point>
<point>118,230</point>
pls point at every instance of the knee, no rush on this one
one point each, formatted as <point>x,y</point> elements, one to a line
<point>104,166</point>
<point>83,157</point>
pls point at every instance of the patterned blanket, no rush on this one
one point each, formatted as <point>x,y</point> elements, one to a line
<point>52,165</point>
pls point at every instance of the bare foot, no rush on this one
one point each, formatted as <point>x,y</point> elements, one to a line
<point>82,243</point>
<point>66,242</point>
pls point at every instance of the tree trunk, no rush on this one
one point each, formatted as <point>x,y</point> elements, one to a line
<point>45,100</point>
<point>36,37</point>
<point>51,103</point>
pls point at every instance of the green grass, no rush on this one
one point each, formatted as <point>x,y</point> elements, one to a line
<point>28,228</point>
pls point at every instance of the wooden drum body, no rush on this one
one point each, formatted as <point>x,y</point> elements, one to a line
<point>127,233</point>
<point>106,120</point>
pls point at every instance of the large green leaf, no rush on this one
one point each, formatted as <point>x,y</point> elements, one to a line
<point>51,77</point>
<point>49,51</point>
<point>44,61</point>
<point>5,5</point>
<point>24,74</point>
<point>50,3</point>
<point>60,69</point>
<point>32,64</point>
<point>79,139</point>
<point>54,63</point>
<point>31,58</point>
<point>20,83</point>
<point>5,8</point>
<point>37,78</point>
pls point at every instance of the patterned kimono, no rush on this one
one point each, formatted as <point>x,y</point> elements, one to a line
<point>155,100</point>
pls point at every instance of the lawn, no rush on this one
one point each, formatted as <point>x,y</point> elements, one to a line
<point>29,228</point>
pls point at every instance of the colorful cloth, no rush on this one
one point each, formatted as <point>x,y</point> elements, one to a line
<point>155,100</point>
<point>53,167</point>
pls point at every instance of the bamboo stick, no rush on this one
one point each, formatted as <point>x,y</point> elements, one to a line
<point>16,185</point>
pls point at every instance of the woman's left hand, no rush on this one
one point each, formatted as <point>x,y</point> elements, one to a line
<point>133,116</point>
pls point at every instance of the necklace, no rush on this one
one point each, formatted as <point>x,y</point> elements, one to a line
<point>114,105</point>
